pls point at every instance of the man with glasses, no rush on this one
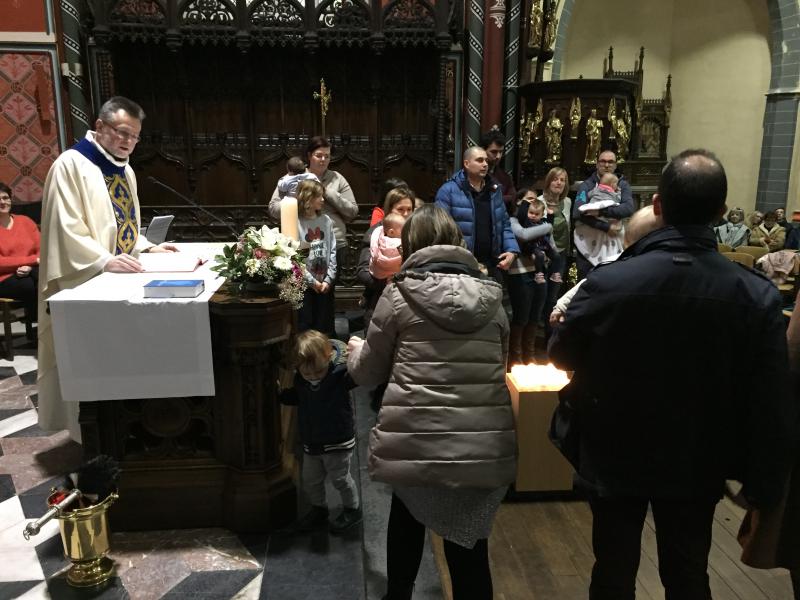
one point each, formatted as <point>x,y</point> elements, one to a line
<point>90,224</point>
<point>606,163</point>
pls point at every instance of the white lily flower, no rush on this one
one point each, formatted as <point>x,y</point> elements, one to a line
<point>282,262</point>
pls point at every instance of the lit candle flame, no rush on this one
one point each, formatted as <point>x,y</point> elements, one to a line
<point>538,378</point>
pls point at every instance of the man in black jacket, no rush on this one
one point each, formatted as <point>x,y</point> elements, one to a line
<point>675,412</point>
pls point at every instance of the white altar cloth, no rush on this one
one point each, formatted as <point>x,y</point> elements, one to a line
<point>112,344</point>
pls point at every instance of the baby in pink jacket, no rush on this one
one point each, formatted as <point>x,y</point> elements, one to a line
<point>384,247</point>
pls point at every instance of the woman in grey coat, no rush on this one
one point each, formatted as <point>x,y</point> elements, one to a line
<point>444,437</point>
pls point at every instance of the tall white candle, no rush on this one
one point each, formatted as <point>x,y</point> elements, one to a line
<point>289,226</point>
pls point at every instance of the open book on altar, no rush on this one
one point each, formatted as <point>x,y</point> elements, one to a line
<point>169,262</point>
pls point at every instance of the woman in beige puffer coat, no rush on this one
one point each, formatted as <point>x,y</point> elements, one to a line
<point>444,437</point>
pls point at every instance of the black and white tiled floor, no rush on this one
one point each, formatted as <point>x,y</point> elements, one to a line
<point>193,563</point>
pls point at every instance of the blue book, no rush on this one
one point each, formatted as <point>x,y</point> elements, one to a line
<point>174,288</point>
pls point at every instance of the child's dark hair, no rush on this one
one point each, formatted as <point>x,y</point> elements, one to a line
<point>524,221</point>
<point>295,165</point>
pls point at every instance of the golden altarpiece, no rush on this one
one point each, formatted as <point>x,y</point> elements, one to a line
<point>567,123</point>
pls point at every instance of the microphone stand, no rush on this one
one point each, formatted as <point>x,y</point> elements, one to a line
<point>193,204</point>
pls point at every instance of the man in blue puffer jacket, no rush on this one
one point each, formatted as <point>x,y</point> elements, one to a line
<point>475,201</point>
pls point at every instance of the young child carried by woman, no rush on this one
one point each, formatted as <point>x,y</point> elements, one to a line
<point>543,249</point>
<point>385,249</point>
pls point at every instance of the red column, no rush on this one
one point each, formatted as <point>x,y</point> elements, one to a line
<point>493,60</point>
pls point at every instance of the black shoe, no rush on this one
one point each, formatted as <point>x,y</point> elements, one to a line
<point>314,519</point>
<point>347,518</point>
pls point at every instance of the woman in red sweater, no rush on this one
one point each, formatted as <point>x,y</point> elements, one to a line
<point>19,255</point>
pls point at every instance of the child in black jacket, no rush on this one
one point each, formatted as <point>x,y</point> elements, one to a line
<point>321,392</point>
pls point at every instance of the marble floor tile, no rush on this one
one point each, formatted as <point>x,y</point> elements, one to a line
<point>19,564</point>
<point>7,489</point>
<point>25,364</point>
<point>113,589</point>
<point>28,378</point>
<point>51,556</point>
<point>251,591</point>
<point>15,589</point>
<point>10,382</point>
<point>149,577</point>
<point>11,512</point>
<point>211,584</point>
<point>28,472</point>
<point>18,422</point>
<point>15,400</point>
<point>38,592</point>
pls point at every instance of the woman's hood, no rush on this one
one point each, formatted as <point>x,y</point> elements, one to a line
<point>453,294</point>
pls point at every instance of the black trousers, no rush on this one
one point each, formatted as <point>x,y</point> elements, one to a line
<point>23,289</point>
<point>317,312</point>
<point>469,568</point>
<point>683,539</point>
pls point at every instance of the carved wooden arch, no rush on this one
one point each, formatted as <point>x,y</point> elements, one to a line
<point>207,30</point>
<point>409,22</point>
<point>343,22</point>
<point>221,7</point>
<point>143,11</point>
<point>276,22</point>
<point>138,20</point>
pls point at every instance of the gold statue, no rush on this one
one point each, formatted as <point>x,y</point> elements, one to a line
<point>550,29</point>
<point>594,129</point>
<point>526,130</point>
<point>325,98</point>
<point>537,119</point>
<point>612,117</point>
<point>622,125</point>
<point>574,117</point>
<point>535,25</point>
<point>552,132</point>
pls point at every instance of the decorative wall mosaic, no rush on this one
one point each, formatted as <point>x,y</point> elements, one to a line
<point>28,125</point>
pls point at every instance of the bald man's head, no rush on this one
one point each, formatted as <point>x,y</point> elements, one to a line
<point>692,189</point>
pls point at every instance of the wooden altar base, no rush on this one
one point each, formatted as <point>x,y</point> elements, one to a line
<point>207,461</point>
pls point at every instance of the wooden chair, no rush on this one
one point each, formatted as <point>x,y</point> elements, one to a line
<point>724,247</point>
<point>9,306</point>
<point>755,251</point>
<point>740,257</point>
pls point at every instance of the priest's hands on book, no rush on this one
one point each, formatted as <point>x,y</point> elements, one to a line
<point>125,263</point>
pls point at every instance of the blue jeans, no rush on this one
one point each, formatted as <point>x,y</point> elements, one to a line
<point>527,298</point>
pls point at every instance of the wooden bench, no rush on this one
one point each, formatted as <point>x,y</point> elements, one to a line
<point>8,307</point>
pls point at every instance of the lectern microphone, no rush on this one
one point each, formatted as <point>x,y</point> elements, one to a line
<point>192,203</point>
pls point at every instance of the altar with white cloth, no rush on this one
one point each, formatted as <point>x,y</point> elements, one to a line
<point>112,343</point>
<point>182,392</point>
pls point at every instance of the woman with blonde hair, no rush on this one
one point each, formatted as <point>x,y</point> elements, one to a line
<point>444,437</point>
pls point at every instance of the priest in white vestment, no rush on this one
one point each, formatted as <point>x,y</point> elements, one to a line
<point>90,224</point>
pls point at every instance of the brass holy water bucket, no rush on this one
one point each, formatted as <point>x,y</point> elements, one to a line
<point>84,533</point>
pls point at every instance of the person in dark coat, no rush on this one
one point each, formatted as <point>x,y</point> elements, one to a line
<point>325,426</point>
<point>679,415</point>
